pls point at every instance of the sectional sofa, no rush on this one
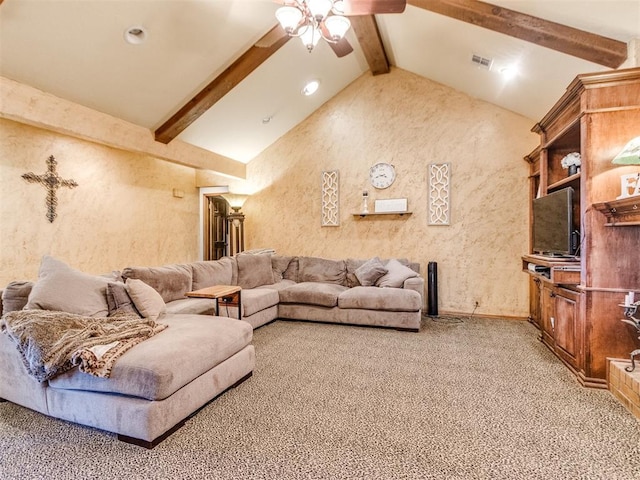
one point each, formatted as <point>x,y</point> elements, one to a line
<point>385,293</point>
<point>156,385</point>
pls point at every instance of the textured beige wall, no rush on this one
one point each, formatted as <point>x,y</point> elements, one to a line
<point>410,122</point>
<point>122,213</point>
<point>28,105</point>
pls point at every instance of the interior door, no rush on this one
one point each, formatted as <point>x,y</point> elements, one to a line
<point>215,228</point>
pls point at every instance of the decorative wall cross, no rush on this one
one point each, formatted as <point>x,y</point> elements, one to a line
<point>52,182</point>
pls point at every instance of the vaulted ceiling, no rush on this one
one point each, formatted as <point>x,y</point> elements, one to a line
<point>218,75</point>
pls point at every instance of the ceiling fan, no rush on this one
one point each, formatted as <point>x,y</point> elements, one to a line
<point>312,20</point>
<point>595,48</point>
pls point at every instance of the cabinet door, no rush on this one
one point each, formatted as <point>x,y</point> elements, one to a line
<point>547,306</point>
<point>535,308</point>
<point>566,324</point>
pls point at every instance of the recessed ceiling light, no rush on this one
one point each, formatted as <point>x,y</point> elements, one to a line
<point>135,35</point>
<point>509,72</point>
<point>311,87</point>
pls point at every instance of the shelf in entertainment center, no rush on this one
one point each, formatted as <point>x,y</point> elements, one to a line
<point>561,270</point>
<point>624,212</point>
<point>374,214</point>
<point>564,182</point>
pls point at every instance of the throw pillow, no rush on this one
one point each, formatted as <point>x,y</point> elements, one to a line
<point>15,296</point>
<point>146,300</point>
<point>254,270</point>
<point>396,275</point>
<point>60,287</point>
<point>370,271</point>
<point>119,300</point>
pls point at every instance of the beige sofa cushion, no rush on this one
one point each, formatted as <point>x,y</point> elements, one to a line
<point>197,306</point>
<point>370,271</point>
<point>324,270</point>
<point>157,367</point>
<point>291,273</point>
<point>257,299</point>
<point>396,275</point>
<point>279,265</point>
<point>281,285</point>
<point>383,299</point>
<point>170,281</point>
<point>15,296</point>
<point>352,265</point>
<point>119,301</point>
<point>145,298</point>
<point>309,293</point>
<point>60,287</point>
<point>254,270</point>
<point>212,272</point>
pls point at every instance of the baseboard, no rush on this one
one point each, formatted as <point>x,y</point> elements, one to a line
<point>451,313</point>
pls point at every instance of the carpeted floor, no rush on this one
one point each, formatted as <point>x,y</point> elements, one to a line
<point>478,399</point>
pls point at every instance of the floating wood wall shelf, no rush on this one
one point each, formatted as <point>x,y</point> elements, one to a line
<point>621,213</point>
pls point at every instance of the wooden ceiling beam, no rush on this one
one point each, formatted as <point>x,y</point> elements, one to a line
<point>366,30</point>
<point>222,84</point>
<point>578,43</point>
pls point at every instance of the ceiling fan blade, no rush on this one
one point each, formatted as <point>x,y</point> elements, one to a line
<point>271,37</point>
<point>341,48</point>
<point>371,7</point>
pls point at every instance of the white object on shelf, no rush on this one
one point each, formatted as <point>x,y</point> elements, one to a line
<point>629,299</point>
<point>391,205</point>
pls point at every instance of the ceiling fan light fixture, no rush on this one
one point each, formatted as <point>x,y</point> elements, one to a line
<point>289,18</point>
<point>319,9</point>
<point>338,7</point>
<point>337,26</point>
<point>312,19</point>
<point>310,37</point>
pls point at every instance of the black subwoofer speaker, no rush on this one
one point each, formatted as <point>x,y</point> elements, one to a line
<point>432,289</point>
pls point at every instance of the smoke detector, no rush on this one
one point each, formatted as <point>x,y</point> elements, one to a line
<point>482,62</point>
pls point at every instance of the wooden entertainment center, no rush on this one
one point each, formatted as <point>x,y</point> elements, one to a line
<point>575,302</point>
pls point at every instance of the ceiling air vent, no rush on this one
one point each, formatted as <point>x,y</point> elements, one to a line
<point>480,61</point>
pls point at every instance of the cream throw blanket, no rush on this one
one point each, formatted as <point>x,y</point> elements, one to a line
<point>53,342</point>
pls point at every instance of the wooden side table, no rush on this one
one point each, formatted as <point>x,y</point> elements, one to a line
<point>230,295</point>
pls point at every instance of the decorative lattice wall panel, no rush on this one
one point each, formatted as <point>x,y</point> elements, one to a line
<point>439,211</point>
<point>330,199</point>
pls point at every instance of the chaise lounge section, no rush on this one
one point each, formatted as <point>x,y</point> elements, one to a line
<point>153,387</point>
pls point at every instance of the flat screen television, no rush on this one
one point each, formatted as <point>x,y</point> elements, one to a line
<point>554,233</point>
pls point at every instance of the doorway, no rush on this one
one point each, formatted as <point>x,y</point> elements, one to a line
<point>214,227</point>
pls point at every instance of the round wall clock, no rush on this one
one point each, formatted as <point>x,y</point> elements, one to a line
<point>382,175</point>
